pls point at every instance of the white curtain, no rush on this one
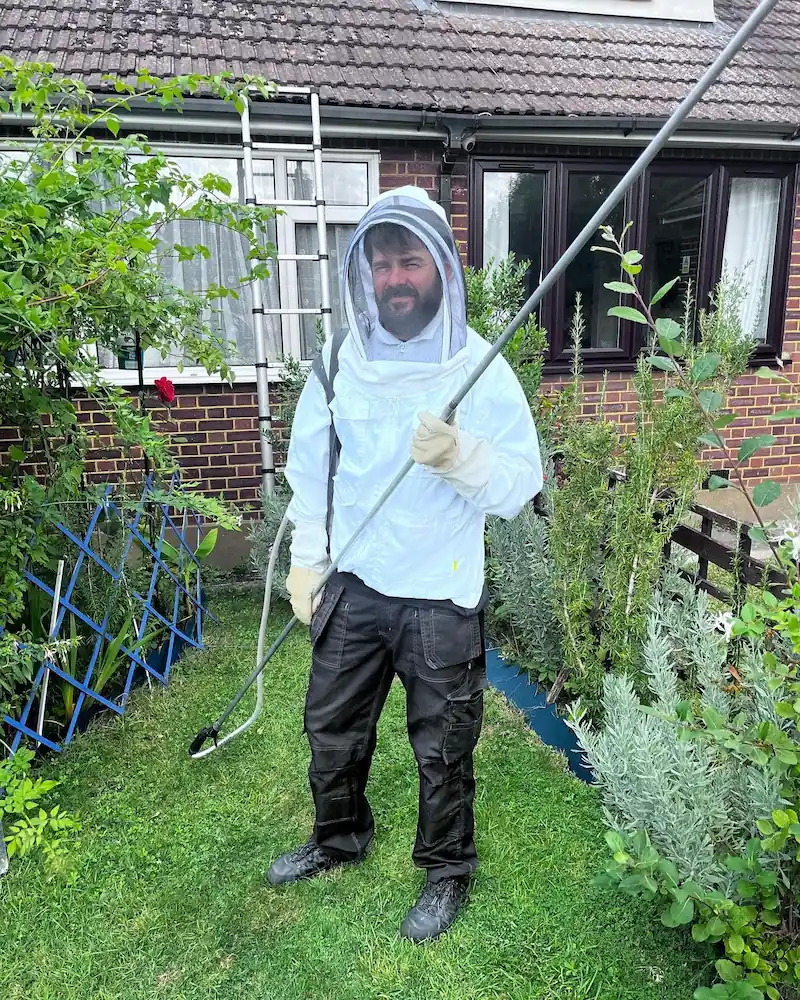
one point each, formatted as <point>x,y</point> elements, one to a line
<point>230,318</point>
<point>496,211</point>
<point>749,251</point>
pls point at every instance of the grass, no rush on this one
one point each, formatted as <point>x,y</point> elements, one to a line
<point>164,896</point>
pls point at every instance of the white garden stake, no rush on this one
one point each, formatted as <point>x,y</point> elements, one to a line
<point>51,635</point>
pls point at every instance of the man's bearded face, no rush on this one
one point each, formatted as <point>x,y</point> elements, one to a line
<point>408,288</point>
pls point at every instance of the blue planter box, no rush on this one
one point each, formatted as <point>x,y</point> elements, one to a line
<point>526,695</point>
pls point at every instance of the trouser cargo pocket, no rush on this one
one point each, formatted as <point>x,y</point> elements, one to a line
<point>329,627</point>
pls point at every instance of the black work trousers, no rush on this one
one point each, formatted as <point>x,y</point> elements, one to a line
<point>361,639</point>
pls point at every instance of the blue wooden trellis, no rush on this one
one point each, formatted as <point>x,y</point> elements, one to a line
<point>157,663</point>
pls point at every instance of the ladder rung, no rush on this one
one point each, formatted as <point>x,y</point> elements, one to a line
<point>285,146</point>
<point>293,312</point>
<point>297,256</point>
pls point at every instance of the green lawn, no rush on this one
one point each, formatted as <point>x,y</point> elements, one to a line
<point>165,897</point>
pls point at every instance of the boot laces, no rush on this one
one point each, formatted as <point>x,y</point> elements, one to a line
<point>437,894</point>
<point>305,851</point>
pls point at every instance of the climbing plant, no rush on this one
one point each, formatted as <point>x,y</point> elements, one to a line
<point>85,230</point>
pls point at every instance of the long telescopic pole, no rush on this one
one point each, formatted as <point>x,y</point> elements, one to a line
<point>681,113</point>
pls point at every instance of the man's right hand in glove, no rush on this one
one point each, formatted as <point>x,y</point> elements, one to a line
<point>301,583</point>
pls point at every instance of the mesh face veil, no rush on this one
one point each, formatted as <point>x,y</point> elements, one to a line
<point>412,315</point>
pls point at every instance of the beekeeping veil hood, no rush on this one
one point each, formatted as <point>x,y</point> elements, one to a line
<point>445,333</point>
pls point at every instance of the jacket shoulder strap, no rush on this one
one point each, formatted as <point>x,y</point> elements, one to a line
<point>326,379</point>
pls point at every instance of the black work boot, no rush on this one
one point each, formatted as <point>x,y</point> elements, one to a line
<point>305,862</point>
<point>436,909</point>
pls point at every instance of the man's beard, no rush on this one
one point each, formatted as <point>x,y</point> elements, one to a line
<point>406,326</point>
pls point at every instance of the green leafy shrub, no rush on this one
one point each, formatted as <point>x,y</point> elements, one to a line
<point>495,293</point>
<point>700,776</point>
<point>84,224</point>
<point>520,573</point>
<point>263,534</point>
<point>607,543</point>
<point>29,825</point>
<point>701,784</point>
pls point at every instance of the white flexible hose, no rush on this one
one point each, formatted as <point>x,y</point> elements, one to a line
<point>262,634</point>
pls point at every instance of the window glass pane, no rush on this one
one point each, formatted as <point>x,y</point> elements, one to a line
<point>345,183</point>
<point>513,206</point>
<point>198,166</point>
<point>749,254</point>
<point>230,318</point>
<point>264,179</point>
<point>12,156</point>
<point>676,216</point>
<point>18,162</point>
<point>590,270</point>
<point>308,279</point>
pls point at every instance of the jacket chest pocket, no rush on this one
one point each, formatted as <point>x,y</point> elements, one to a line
<point>351,418</point>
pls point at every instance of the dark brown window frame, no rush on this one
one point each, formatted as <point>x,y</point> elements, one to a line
<point>720,171</point>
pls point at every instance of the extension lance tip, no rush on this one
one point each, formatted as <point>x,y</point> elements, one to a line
<point>209,732</point>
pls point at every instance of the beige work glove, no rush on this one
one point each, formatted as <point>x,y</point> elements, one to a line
<point>301,583</point>
<point>435,443</point>
<point>465,462</point>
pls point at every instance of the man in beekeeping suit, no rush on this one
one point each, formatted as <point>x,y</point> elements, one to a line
<point>407,599</point>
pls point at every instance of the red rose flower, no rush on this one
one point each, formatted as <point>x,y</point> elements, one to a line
<point>165,389</point>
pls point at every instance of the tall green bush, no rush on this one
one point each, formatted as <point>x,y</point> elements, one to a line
<point>495,294</point>
<point>607,541</point>
<point>84,224</point>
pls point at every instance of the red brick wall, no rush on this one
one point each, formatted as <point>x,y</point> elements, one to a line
<point>402,165</point>
<point>218,428</point>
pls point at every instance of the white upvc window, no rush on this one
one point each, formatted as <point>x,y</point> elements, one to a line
<point>350,182</point>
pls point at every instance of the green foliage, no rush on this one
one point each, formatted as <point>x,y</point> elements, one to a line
<point>20,658</point>
<point>84,224</point>
<point>293,379</point>
<point>520,574</point>
<point>660,473</point>
<point>608,543</point>
<point>582,512</point>
<point>702,786</point>
<point>695,808</point>
<point>263,534</point>
<point>31,826</point>
<point>742,920</point>
<point>495,294</point>
<point>184,498</point>
<point>185,568</point>
<point>701,374</point>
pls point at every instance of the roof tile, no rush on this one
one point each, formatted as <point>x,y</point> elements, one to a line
<point>388,53</point>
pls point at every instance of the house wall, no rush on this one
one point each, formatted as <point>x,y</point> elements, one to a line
<point>216,427</point>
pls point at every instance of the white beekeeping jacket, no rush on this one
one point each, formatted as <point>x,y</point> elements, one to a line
<point>427,542</point>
